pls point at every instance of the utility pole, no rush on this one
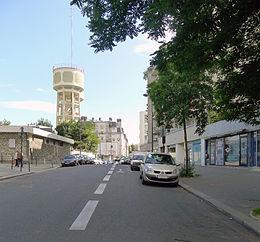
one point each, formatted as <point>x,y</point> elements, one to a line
<point>21,135</point>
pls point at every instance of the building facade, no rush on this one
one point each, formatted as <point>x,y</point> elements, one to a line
<point>222,144</point>
<point>151,75</point>
<point>143,130</point>
<point>113,140</point>
<point>37,144</point>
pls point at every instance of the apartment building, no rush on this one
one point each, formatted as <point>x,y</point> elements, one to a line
<point>223,143</point>
<point>113,140</point>
<point>143,130</point>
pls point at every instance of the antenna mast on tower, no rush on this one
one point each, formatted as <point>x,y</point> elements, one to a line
<point>71,47</point>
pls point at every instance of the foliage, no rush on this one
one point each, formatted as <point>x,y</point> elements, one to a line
<point>177,97</point>
<point>217,38</point>
<point>256,211</point>
<point>188,172</point>
<point>71,129</point>
<point>132,147</point>
<point>44,122</point>
<point>5,122</point>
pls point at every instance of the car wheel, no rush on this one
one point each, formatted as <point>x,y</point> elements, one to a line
<point>143,181</point>
<point>132,168</point>
<point>140,176</point>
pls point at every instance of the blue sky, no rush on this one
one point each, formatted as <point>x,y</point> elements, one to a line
<point>36,36</point>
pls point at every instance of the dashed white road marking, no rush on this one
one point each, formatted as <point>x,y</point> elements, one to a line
<point>82,220</point>
<point>100,188</point>
<point>106,178</point>
<point>110,173</point>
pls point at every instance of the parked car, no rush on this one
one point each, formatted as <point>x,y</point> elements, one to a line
<point>69,160</point>
<point>159,168</point>
<point>126,160</point>
<point>80,158</point>
<point>136,162</point>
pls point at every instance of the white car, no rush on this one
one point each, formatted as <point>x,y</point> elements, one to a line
<point>159,168</point>
<point>136,162</point>
<point>98,161</point>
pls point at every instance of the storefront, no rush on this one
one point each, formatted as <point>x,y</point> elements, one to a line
<point>235,150</point>
<point>195,152</point>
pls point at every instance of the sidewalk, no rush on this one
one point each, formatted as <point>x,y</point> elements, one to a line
<point>6,172</point>
<point>233,190</point>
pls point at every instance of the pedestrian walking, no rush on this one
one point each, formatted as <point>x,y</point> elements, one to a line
<point>17,158</point>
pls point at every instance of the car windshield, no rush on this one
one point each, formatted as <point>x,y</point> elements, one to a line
<point>69,157</point>
<point>160,159</point>
<point>138,157</point>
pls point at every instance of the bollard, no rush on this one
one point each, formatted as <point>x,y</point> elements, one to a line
<point>29,166</point>
<point>36,160</point>
<point>12,165</point>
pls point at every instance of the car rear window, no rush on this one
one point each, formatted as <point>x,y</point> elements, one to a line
<point>138,157</point>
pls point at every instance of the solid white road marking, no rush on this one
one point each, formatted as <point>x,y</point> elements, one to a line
<point>106,178</point>
<point>110,173</point>
<point>112,169</point>
<point>82,220</point>
<point>100,188</point>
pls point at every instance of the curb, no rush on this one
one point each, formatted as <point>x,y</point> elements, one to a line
<point>16,175</point>
<point>246,221</point>
<point>25,174</point>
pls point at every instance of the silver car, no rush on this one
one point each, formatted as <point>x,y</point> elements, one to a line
<point>159,168</point>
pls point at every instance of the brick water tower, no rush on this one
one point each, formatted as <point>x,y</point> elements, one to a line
<point>68,81</point>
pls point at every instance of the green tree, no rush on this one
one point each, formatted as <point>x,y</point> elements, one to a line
<point>178,98</point>
<point>72,130</point>
<point>132,147</point>
<point>220,38</point>
<point>44,122</point>
<point>5,122</point>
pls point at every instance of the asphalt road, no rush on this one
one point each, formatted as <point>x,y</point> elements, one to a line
<point>99,203</point>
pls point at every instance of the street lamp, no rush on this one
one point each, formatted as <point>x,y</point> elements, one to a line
<point>82,118</point>
<point>146,95</point>
<point>21,135</point>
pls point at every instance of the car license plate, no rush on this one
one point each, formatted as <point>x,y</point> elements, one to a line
<point>161,176</point>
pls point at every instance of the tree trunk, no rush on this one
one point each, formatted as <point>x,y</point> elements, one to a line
<point>186,146</point>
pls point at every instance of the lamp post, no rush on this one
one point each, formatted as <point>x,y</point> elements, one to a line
<point>21,135</point>
<point>82,118</point>
<point>146,95</point>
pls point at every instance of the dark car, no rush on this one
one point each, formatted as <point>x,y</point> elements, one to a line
<point>69,160</point>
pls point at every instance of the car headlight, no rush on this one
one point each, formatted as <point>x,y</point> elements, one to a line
<point>174,171</point>
<point>148,169</point>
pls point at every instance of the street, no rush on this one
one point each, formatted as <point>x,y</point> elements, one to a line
<point>107,203</point>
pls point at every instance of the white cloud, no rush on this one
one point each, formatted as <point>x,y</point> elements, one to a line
<point>5,85</point>
<point>31,105</point>
<point>151,45</point>
<point>40,89</point>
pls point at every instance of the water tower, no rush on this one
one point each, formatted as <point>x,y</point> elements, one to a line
<point>68,81</point>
